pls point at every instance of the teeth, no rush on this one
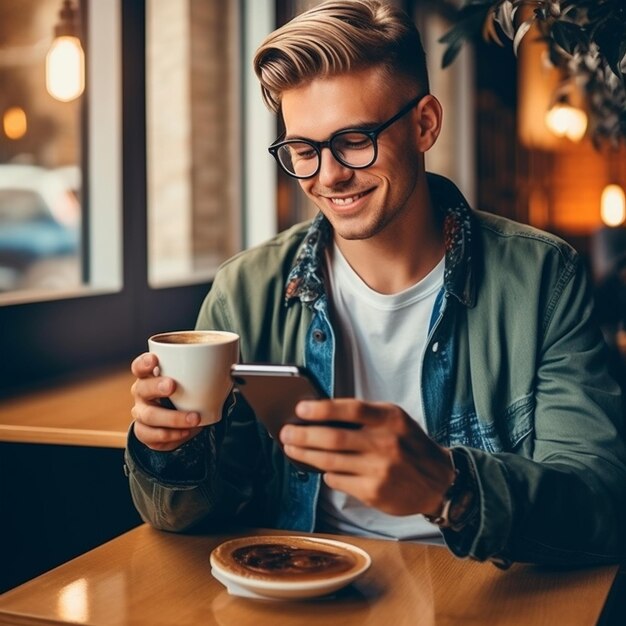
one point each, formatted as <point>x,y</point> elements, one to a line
<point>344,201</point>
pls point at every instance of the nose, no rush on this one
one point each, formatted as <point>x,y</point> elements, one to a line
<point>331,171</point>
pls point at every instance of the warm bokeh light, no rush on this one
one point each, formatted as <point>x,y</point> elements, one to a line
<point>613,205</point>
<point>14,123</point>
<point>65,69</point>
<point>564,120</point>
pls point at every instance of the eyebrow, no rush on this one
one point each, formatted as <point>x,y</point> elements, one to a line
<point>356,126</point>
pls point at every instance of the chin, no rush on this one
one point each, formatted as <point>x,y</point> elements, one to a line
<point>357,232</point>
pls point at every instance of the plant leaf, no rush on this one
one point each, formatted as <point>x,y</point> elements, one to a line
<point>468,24</point>
<point>504,16</point>
<point>489,31</point>
<point>609,35</point>
<point>523,28</point>
<point>451,53</point>
<point>568,35</point>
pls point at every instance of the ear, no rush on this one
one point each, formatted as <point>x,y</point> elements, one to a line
<point>429,119</point>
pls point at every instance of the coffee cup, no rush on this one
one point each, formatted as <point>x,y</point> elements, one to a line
<point>199,361</point>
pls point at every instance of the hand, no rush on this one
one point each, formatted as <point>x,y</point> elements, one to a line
<point>389,463</point>
<point>157,427</point>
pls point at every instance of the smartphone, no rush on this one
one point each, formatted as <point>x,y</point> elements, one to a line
<point>273,392</point>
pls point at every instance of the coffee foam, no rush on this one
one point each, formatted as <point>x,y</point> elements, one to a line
<point>286,558</point>
<point>192,337</point>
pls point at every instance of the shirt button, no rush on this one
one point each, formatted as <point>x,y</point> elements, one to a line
<point>303,476</point>
<point>319,335</point>
<point>435,346</point>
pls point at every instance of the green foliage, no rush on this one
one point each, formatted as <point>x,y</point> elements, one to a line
<point>586,40</point>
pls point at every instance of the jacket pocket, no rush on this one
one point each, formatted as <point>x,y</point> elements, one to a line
<point>503,433</point>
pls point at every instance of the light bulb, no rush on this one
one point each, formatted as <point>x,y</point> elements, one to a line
<point>65,69</point>
<point>14,123</point>
<point>564,120</point>
<point>613,205</point>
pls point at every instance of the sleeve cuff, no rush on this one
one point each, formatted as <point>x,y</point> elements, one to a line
<point>185,466</point>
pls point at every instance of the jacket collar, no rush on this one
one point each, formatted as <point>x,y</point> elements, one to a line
<point>306,279</point>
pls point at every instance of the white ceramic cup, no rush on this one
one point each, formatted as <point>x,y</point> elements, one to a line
<point>199,361</point>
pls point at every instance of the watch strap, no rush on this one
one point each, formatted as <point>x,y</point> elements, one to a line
<point>460,502</point>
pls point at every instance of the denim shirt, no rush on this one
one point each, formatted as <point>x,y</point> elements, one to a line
<point>495,385</point>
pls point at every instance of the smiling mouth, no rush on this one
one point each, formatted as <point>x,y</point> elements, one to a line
<point>347,200</point>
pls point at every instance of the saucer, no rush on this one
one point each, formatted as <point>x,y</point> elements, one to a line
<point>291,587</point>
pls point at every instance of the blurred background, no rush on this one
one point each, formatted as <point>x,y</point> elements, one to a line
<point>133,159</point>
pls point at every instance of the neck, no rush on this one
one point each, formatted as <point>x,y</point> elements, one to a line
<point>399,256</point>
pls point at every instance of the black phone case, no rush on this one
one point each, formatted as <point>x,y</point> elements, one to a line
<point>273,395</point>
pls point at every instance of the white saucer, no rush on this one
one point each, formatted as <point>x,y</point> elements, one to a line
<point>250,587</point>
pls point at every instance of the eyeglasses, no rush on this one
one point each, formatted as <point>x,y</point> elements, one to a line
<point>356,148</point>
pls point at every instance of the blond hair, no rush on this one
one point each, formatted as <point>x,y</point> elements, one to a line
<point>335,37</point>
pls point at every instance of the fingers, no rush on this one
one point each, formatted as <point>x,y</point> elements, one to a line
<point>150,386</point>
<point>349,410</point>
<point>144,365</point>
<point>340,449</point>
<point>163,439</point>
<point>328,461</point>
<point>383,427</point>
<point>156,426</point>
<point>156,416</point>
<point>153,388</point>
<point>380,464</point>
<point>381,423</point>
<point>336,439</point>
<point>163,429</point>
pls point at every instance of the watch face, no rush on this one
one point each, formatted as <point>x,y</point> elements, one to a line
<point>463,499</point>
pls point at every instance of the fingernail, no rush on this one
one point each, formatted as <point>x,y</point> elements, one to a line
<point>164,386</point>
<point>304,409</point>
<point>193,419</point>
<point>286,434</point>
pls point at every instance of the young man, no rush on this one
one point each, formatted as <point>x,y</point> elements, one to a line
<point>460,342</point>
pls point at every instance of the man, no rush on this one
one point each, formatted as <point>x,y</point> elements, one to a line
<point>460,342</point>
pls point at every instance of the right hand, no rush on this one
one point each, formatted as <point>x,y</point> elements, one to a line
<point>157,427</point>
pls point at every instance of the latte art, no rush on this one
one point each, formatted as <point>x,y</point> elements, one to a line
<point>289,559</point>
<point>281,559</point>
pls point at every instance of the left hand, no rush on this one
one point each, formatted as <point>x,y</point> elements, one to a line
<point>389,463</point>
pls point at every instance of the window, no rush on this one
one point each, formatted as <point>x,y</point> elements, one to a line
<point>59,152</point>
<point>108,320</point>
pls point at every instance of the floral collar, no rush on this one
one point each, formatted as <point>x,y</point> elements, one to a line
<point>306,279</point>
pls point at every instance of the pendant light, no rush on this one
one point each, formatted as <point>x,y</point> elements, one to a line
<point>65,61</point>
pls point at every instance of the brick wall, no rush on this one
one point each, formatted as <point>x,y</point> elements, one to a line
<point>193,137</point>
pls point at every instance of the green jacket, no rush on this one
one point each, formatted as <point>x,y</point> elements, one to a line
<point>514,376</point>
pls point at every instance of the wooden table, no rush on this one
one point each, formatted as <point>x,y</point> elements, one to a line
<point>55,444</point>
<point>155,578</point>
<point>94,412</point>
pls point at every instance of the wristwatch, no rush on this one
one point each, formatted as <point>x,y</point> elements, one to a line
<point>460,502</point>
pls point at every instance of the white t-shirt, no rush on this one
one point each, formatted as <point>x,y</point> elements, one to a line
<point>381,340</point>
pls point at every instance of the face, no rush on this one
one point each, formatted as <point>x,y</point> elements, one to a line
<point>361,204</point>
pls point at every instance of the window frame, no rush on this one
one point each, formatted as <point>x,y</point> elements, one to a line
<point>51,340</point>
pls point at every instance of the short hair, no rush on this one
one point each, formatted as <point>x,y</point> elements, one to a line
<point>338,36</point>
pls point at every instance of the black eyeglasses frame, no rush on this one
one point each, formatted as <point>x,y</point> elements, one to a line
<point>319,145</point>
